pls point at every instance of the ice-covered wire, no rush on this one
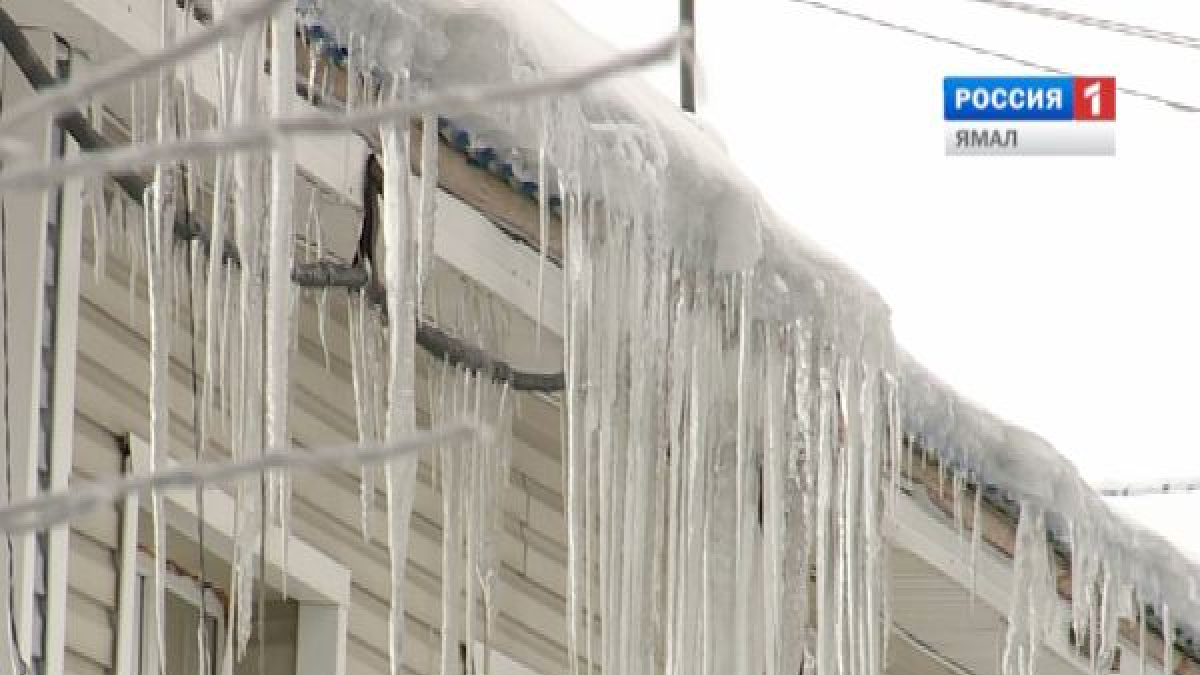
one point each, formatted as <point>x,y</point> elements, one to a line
<point>1162,487</point>
<point>1127,29</point>
<point>59,507</point>
<point>984,51</point>
<point>68,96</point>
<point>265,134</point>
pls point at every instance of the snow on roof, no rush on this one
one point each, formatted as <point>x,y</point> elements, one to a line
<point>624,143</point>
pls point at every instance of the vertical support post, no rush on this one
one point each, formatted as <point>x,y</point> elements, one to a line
<point>63,261</point>
<point>24,249</point>
<point>687,71</point>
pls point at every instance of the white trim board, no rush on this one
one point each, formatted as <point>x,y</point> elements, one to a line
<point>933,539</point>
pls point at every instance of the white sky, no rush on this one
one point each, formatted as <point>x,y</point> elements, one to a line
<point>1059,292</point>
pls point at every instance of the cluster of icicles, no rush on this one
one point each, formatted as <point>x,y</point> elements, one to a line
<point>714,460</point>
<point>727,476</point>
<point>244,312</point>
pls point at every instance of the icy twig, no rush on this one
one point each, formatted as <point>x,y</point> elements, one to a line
<point>57,508</point>
<point>66,97</point>
<point>264,135</point>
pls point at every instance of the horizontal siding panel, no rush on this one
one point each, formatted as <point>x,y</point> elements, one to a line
<point>96,457</point>
<point>78,664</point>
<point>362,659</point>
<point>92,571</point>
<point>340,504</point>
<point>89,630</point>
<point>97,452</point>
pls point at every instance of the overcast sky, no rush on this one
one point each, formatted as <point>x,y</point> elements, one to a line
<point>1062,293</point>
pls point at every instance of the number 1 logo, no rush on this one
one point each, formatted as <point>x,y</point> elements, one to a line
<point>1095,98</point>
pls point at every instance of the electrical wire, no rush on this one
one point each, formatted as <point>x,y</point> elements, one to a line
<point>266,134</point>
<point>1128,29</point>
<point>66,97</point>
<point>51,509</point>
<point>1178,106</point>
<point>1165,487</point>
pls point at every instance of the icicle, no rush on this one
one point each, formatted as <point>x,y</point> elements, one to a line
<point>976,537</point>
<point>322,323</point>
<point>400,419</point>
<point>1141,614</point>
<point>496,478</point>
<point>136,254</point>
<point>427,207</point>
<point>742,476</point>
<point>313,59</point>
<point>452,539</point>
<point>158,251</point>
<point>316,252</point>
<point>99,208</point>
<point>574,460</point>
<point>956,489</point>
<point>280,237</point>
<point>1033,595</point>
<point>543,191</point>
<point>226,350</point>
<point>247,370</point>
<point>363,405</point>
<point>471,526</point>
<point>325,86</point>
<point>1168,638</point>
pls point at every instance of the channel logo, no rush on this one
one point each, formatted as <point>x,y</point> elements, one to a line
<point>1030,115</point>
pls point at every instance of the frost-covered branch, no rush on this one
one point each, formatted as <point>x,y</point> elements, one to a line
<point>263,135</point>
<point>53,509</point>
<point>72,94</point>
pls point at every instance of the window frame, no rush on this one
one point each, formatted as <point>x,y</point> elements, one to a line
<point>184,588</point>
<point>316,582</point>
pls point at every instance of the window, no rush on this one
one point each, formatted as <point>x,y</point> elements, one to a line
<point>182,608</point>
<point>305,633</point>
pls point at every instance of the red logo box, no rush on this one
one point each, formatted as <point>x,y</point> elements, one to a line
<point>1095,99</point>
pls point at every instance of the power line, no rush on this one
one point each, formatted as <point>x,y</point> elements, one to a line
<point>265,134</point>
<point>1164,487</point>
<point>1128,29</point>
<point>940,39</point>
<point>50,509</point>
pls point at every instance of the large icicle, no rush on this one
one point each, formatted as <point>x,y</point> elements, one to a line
<point>453,492</point>
<point>1034,595</point>
<point>399,284</point>
<point>159,220</point>
<point>160,347</point>
<point>246,364</point>
<point>279,263</point>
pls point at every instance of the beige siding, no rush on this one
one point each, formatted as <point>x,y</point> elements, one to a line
<point>111,392</point>
<point>92,572</point>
